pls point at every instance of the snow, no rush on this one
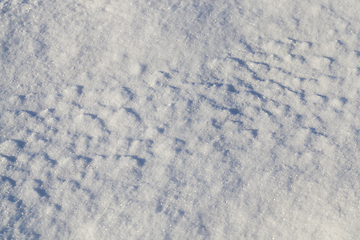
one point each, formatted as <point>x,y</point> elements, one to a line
<point>179,119</point>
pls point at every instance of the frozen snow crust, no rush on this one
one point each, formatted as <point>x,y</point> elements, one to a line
<point>179,119</point>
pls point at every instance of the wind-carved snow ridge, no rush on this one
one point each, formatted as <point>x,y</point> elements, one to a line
<point>179,120</point>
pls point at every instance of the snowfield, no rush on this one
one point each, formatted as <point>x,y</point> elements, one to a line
<point>180,119</point>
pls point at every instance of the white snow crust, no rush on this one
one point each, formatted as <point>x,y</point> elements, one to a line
<point>179,119</point>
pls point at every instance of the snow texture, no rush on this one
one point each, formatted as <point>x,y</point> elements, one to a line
<point>179,119</point>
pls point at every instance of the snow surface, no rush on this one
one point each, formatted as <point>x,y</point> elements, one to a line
<point>180,119</point>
